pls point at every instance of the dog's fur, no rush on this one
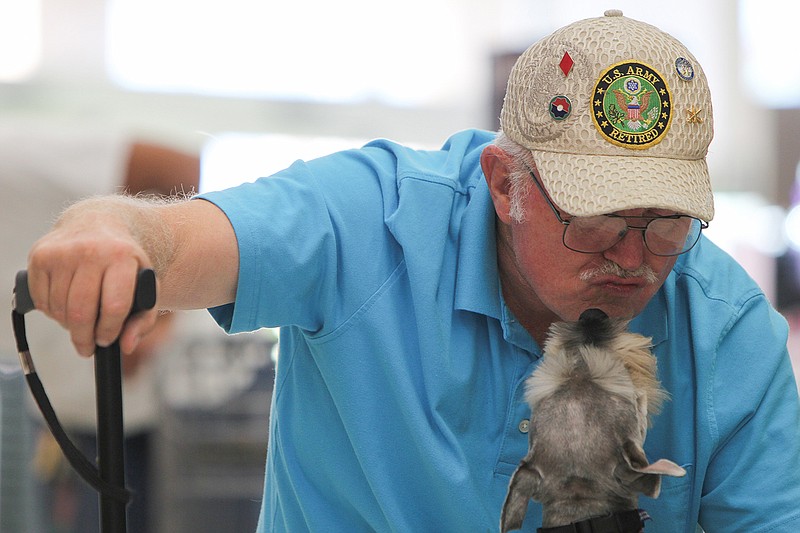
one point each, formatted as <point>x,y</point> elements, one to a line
<point>591,401</point>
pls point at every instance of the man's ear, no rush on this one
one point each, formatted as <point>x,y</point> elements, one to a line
<point>495,165</point>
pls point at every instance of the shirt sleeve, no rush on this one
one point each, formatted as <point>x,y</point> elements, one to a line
<point>312,241</point>
<point>753,478</point>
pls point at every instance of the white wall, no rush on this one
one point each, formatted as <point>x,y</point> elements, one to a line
<point>72,84</point>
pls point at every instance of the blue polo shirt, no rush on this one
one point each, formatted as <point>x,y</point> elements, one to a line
<point>398,401</point>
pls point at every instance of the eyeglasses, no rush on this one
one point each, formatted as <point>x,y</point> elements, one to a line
<point>663,235</point>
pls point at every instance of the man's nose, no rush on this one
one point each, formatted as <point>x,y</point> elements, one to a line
<point>629,252</point>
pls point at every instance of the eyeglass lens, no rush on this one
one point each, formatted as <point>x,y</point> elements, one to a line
<point>662,236</point>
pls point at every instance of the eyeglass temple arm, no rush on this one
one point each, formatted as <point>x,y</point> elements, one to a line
<point>547,198</point>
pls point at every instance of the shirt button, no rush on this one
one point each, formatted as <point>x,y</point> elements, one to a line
<point>524,425</point>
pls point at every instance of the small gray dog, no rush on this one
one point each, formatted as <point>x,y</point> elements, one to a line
<point>591,401</point>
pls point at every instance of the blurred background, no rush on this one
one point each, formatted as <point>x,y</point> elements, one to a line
<point>248,86</point>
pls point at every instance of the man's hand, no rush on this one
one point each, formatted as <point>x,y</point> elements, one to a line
<point>83,274</point>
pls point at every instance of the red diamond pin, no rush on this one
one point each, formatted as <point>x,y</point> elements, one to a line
<point>566,63</point>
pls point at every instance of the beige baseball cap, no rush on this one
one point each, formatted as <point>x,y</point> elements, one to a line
<point>617,115</point>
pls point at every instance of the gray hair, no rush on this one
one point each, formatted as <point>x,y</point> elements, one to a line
<point>519,177</point>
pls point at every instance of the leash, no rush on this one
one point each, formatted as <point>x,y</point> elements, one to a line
<point>108,478</point>
<point>620,522</point>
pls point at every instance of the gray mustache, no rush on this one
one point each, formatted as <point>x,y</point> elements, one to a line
<point>645,272</point>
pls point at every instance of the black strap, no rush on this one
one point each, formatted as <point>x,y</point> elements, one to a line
<point>619,522</point>
<point>79,462</point>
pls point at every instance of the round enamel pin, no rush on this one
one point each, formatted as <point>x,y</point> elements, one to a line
<point>684,69</point>
<point>632,105</point>
<point>560,107</point>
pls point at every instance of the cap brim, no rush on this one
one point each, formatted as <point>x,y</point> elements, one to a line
<point>587,185</point>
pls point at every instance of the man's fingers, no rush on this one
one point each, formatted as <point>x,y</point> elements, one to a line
<point>81,310</point>
<point>116,300</point>
<point>59,282</point>
<point>39,289</point>
<point>136,328</point>
<point>93,304</point>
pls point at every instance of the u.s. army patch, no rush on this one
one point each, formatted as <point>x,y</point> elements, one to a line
<point>632,105</point>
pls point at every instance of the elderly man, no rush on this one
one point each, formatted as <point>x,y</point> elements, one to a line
<point>415,289</point>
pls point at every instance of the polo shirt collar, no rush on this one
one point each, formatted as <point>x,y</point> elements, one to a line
<point>477,279</point>
<point>652,322</point>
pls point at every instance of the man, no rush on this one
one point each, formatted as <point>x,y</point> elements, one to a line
<point>43,167</point>
<point>415,289</point>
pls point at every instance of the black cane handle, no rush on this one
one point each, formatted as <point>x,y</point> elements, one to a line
<point>22,302</point>
<point>144,296</point>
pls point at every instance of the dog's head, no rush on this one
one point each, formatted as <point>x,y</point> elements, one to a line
<point>601,341</point>
<point>591,399</point>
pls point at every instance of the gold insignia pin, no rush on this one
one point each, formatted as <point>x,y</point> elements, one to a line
<point>693,115</point>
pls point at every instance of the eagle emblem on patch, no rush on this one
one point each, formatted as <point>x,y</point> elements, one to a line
<point>632,105</point>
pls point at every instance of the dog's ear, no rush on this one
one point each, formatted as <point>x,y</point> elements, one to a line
<point>664,467</point>
<point>637,474</point>
<point>524,485</point>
